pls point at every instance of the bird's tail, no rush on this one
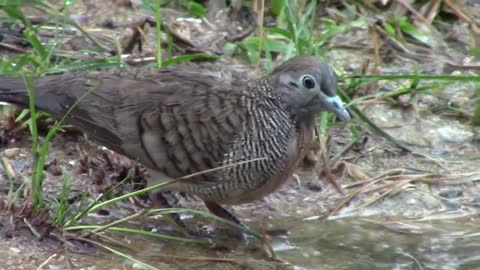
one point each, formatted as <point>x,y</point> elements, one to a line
<point>13,90</point>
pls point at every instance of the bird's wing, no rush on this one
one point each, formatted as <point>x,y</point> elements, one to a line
<point>175,121</point>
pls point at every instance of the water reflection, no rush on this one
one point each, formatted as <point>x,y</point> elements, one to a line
<point>359,244</point>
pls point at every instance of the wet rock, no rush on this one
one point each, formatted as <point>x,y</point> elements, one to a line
<point>476,202</point>
<point>384,115</point>
<point>314,185</point>
<point>448,196</point>
<point>410,136</point>
<point>451,204</point>
<point>451,193</point>
<point>454,134</point>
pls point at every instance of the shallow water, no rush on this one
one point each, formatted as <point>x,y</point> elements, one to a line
<point>346,244</point>
<point>360,244</point>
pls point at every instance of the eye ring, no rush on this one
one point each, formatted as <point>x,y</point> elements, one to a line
<point>308,82</point>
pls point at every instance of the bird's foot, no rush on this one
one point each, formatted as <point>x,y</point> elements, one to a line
<point>241,234</point>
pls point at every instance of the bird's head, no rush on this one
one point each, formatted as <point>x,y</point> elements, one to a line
<point>308,86</point>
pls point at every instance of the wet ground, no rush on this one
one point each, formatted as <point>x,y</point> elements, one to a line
<point>425,216</point>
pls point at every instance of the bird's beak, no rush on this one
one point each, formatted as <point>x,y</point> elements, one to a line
<point>334,104</point>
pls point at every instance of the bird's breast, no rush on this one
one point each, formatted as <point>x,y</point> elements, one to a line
<point>297,147</point>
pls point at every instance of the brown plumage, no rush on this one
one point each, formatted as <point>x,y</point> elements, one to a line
<point>177,121</point>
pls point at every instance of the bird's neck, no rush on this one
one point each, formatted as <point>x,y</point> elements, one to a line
<point>305,122</point>
<point>262,88</point>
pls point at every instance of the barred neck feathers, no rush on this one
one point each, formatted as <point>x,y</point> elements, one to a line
<point>262,89</point>
<point>266,137</point>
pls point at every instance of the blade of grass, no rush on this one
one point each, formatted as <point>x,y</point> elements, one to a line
<point>136,232</point>
<point>158,32</point>
<point>45,6</point>
<point>62,207</point>
<point>117,222</point>
<point>31,228</point>
<point>188,57</point>
<point>121,254</point>
<point>417,76</point>
<point>36,185</point>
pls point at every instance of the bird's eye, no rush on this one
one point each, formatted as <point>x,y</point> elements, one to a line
<point>308,82</point>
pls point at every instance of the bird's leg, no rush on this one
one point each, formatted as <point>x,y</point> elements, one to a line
<point>159,200</point>
<point>219,211</point>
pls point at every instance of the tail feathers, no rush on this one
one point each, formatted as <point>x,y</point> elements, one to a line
<point>14,91</point>
<point>50,96</point>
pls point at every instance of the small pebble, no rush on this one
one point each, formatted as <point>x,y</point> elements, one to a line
<point>451,204</point>
<point>313,185</point>
<point>15,250</point>
<point>138,266</point>
<point>452,134</point>
<point>11,152</point>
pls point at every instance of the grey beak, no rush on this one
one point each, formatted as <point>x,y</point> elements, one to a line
<point>335,105</point>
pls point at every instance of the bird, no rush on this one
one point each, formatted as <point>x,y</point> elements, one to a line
<point>181,120</point>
